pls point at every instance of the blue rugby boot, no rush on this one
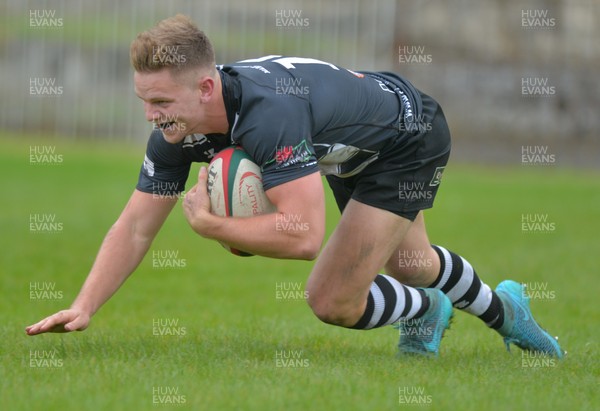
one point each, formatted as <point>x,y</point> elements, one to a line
<point>519,326</point>
<point>423,335</point>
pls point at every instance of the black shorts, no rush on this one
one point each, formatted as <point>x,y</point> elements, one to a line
<point>406,176</point>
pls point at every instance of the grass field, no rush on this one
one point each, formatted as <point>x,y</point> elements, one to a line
<point>209,333</point>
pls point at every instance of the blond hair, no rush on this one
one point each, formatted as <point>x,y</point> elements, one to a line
<point>175,43</point>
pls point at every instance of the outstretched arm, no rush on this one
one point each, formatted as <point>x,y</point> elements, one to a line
<point>122,250</point>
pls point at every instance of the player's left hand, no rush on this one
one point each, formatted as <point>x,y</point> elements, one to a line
<point>196,204</point>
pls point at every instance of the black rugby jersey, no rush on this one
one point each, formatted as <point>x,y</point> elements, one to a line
<point>294,116</point>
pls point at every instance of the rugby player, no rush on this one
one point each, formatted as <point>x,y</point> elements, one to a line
<point>382,145</point>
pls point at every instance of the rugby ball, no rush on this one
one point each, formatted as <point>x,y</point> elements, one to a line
<point>235,188</point>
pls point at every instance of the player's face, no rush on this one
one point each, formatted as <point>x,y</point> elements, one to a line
<point>173,106</point>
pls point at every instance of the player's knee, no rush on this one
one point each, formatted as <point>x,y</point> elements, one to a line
<point>332,311</point>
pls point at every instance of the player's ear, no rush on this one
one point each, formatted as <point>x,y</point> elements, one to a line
<point>206,87</point>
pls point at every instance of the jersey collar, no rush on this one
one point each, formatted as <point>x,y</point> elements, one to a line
<point>232,94</point>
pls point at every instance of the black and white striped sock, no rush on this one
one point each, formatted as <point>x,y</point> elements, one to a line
<point>459,281</point>
<point>389,301</point>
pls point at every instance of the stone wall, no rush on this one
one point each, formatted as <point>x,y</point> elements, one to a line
<point>508,73</point>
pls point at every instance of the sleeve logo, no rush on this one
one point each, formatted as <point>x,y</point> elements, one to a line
<point>283,154</point>
<point>148,166</point>
<point>286,156</point>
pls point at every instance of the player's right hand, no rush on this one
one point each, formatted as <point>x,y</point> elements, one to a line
<point>62,322</point>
